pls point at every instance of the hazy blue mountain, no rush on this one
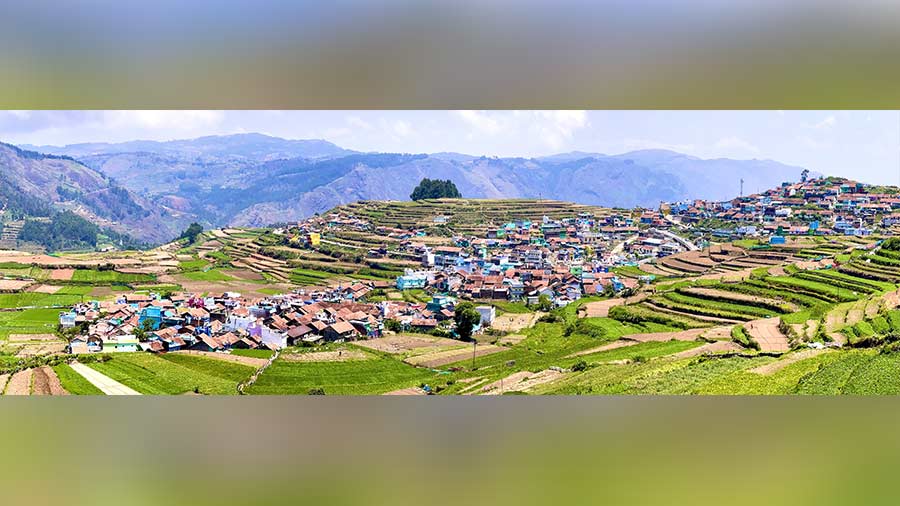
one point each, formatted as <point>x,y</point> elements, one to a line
<point>253,179</point>
<point>38,185</point>
<point>252,147</point>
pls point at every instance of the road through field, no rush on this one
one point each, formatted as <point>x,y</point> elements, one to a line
<point>106,384</point>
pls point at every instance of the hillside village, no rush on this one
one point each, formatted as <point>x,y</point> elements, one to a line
<point>541,263</point>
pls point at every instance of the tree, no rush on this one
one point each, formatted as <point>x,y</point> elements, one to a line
<point>466,318</point>
<point>191,233</point>
<point>141,332</point>
<point>435,189</point>
<point>544,303</point>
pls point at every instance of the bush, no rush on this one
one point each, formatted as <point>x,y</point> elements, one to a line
<point>579,366</point>
<point>316,391</point>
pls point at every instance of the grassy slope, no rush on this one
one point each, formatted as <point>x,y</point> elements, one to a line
<point>152,374</point>
<point>75,383</point>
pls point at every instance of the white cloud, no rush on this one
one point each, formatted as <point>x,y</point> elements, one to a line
<point>356,121</point>
<point>638,144</point>
<point>551,128</point>
<point>826,123</point>
<point>735,143</point>
<point>482,121</point>
<point>402,128</point>
<point>163,120</point>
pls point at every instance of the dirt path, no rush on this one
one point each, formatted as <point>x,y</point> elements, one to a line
<point>4,378</point>
<point>767,334</point>
<point>716,347</point>
<point>407,391</point>
<point>600,308</point>
<point>254,362</point>
<point>773,367</point>
<point>606,347</point>
<point>681,335</point>
<point>519,382</point>
<point>720,333</point>
<point>106,384</point>
<point>777,270</point>
<point>19,383</point>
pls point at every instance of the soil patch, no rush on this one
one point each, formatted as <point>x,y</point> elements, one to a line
<point>443,358</point>
<point>681,335</point>
<point>773,367</point>
<point>62,274</point>
<point>405,343</point>
<point>514,322</point>
<point>326,356</point>
<point>407,391</point>
<point>14,285</point>
<point>49,289</point>
<point>520,382</point>
<point>20,383</point>
<point>621,343</point>
<point>768,335</point>
<point>18,338</point>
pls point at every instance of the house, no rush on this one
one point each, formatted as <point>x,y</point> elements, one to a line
<point>412,281</point>
<point>488,314</point>
<point>339,331</point>
<point>67,319</point>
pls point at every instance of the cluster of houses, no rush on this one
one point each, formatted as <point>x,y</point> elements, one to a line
<point>561,260</point>
<point>822,206</point>
<point>221,322</point>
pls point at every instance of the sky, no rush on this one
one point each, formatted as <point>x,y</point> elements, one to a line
<point>864,145</point>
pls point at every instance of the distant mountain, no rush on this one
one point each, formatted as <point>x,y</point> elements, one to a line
<point>251,147</point>
<point>39,185</point>
<point>253,179</point>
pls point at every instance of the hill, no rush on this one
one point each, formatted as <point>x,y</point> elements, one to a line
<point>224,180</point>
<point>34,185</point>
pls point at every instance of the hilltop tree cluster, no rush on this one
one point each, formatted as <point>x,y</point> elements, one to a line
<point>191,233</point>
<point>435,189</point>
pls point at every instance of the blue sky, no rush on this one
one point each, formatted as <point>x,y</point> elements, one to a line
<point>859,144</point>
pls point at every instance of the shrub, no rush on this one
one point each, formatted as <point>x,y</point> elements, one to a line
<point>579,366</point>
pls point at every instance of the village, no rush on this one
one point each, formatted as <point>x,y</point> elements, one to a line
<point>536,264</point>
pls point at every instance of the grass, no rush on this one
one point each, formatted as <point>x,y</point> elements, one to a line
<point>92,276</point>
<point>506,306</point>
<point>29,321</point>
<point>154,375</point>
<point>193,265</point>
<point>211,366</point>
<point>253,353</point>
<point>877,376</point>
<point>310,276</point>
<point>210,275</point>
<point>358,377</point>
<point>269,291</point>
<point>637,352</point>
<point>75,383</point>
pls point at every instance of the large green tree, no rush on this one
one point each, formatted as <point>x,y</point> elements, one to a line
<point>435,189</point>
<point>191,233</point>
<point>466,318</point>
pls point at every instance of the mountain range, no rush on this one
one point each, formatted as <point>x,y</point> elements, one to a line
<point>254,179</point>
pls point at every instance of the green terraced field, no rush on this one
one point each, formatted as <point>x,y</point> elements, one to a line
<point>174,374</point>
